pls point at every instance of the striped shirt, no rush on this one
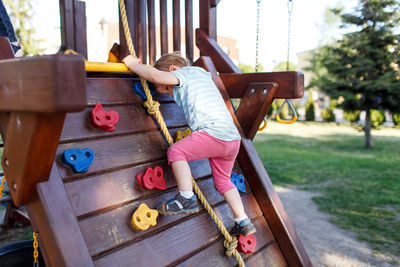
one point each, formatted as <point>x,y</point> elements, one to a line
<point>202,104</point>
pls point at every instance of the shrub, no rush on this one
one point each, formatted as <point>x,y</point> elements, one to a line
<point>328,115</point>
<point>352,116</point>
<point>310,107</point>
<point>396,119</point>
<point>377,117</point>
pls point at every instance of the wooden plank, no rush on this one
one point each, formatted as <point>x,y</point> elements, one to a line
<point>254,106</point>
<point>130,13</point>
<point>141,34</point>
<point>209,47</point>
<point>132,119</point>
<point>164,26</point>
<point>110,230</point>
<point>152,31</point>
<point>153,250</point>
<point>269,256</point>
<point>116,152</point>
<point>51,83</point>
<point>214,255</point>
<point>60,238</point>
<point>176,25</point>
<point>189,29</point>
<point>67,23</point>
<point>291,83</point>
<point>29,152</point>
<point>116,91</point>
<point>80,28</point>
<point>116,188</point>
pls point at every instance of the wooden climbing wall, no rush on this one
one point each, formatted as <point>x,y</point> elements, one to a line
<point>102,200</point>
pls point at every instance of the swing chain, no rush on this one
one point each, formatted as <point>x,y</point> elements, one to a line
<point>3,182</point>
<point>257,32</point>
<point>35,250</point>
<point>290,9</point>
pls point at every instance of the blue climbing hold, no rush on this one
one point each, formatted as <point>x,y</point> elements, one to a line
<point>78,159</point>
<point>138,89</point>
<point>238,180</point>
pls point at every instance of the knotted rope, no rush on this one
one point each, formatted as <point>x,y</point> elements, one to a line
<point>152,106</point>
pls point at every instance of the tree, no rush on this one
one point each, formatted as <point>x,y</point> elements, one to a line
<point>248,68</point>
<point>310,107</point>
<point>21,15</point>
<point>364,67</point>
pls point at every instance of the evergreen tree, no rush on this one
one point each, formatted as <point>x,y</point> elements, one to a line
<point>364,67</point>
<point>310,107</point>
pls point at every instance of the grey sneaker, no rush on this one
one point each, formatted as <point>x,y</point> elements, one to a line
<point>245,227</point>
<point>179,205</point>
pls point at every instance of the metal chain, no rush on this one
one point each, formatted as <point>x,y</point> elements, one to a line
<point>258,32</point>
<point>290,9</point>
<point>35,250</point>
<point>3,182</point>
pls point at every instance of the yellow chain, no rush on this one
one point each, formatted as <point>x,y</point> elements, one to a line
<point>152,106</point>
<point>35,246</point>
<point>3,182</point>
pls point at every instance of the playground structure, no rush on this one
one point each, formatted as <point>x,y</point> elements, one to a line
<point>83,219</point>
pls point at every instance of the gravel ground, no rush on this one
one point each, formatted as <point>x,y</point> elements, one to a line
<point>326,244</point>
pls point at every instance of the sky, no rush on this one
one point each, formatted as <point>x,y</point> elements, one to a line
<point>236,19</point>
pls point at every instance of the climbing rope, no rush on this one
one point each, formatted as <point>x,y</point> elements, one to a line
<point>152,106</point>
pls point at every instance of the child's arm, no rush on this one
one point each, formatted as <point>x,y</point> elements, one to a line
<point>150,73</point>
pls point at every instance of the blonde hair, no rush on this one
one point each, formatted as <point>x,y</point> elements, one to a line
<point>167,60</point>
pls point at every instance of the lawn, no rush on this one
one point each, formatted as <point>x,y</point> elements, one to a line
<point>360,187</point>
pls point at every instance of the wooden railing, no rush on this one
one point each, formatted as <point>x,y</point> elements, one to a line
<point>142,22</point>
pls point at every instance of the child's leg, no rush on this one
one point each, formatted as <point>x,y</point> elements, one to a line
<point>182,175</point>
<point>232,196</point>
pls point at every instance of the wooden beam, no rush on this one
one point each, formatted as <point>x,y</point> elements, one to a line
<point>164,26</point>
<point>291,83</point>
<point>254,106</point>
<point>209,47</point>
<point>51,83</point>
<point>152,31</point>
<point>208,18</point>
<point>189,29</point>
<point>52,216</point>
<point>67,23</point>
<point>28,155</point>
<point>176,24</point>
<point>80,28</point>
<point>141,34</point>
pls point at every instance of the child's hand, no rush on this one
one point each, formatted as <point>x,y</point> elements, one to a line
<point>130,61</point>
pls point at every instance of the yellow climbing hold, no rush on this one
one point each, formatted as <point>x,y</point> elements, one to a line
<point>182,134</point>
<point>144,217</point>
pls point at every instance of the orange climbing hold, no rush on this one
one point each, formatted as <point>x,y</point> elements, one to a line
<point>144,217</point>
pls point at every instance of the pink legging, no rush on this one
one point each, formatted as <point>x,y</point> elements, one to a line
<point>221,155</point>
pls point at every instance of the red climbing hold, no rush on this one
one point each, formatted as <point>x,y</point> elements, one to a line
<point>152,178</point>
<point>103,119</point>
<point>247,244</point>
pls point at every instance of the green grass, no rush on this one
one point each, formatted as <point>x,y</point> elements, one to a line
<point>360,187</point>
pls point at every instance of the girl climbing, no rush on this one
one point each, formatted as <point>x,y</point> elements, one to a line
<point>214,134</point>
